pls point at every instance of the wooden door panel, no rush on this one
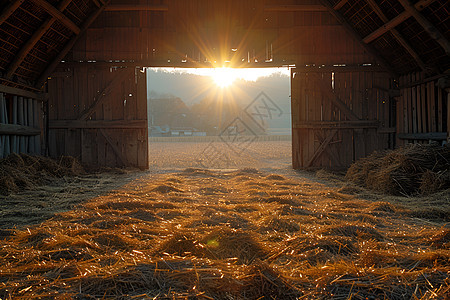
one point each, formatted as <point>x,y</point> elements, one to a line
<point>108,123</point>
<point>336,117</point>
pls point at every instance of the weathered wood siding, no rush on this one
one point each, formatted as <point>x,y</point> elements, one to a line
<point>338,117</point>
<point>20,125</point>
<point>241,32</point>
<point>422,110</point>
<point>99,115</point>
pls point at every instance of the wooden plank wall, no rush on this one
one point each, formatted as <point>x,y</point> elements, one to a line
<point>99,115</point>
<point>20,125</point>
<point>204,30</point>
<point>421,110</point>
<point>333,134</point>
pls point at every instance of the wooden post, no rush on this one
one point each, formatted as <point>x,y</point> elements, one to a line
<point>448,116</point>
<point>2,137</point>
<point>15,141</point>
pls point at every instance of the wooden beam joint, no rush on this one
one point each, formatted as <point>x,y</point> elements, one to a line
<point>59,15</point>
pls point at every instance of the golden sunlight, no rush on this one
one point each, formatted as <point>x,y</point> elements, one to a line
<point>224,77</point>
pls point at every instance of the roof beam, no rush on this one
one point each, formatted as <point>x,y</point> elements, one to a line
<point>430,28</point>
<point>289,8</point>
<point>51,67</point>
<point>397,35</point>
<point>9,10</point>
<point>355,35</point>
<point>340,4</point>
<point>396,21</point>
<point>32,41</point>
<point>58,14</point>
<point>136,7</point>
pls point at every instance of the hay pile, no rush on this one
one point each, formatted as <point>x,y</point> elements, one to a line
<point>267,237</point>
<point>23,171</point>
<point>412,170</point>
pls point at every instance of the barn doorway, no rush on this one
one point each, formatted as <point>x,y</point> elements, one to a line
<point>219,118</point>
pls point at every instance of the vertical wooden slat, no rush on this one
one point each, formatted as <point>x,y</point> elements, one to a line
<point>2,120</point>
<point>399,116</point>
<point>414,107</point>
<point>36,124</point>
<point>423,97</point>
<point>433,106</point>
<point>439,110</point>
<point>30,123</point>
<point>15,139</point>
<point>448,115</point>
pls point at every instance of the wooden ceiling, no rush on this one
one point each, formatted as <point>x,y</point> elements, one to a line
<point>399,35</point>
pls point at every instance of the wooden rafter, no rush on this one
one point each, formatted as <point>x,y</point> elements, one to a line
<point>58,14</point>
<point>356,36</point>
<point>41,80</point>
<point>397,35</point>
<point>340,4</point>
<point>429,28</point>
<point>18,59</point>
<point>396,21</point>
<point>9,10</point>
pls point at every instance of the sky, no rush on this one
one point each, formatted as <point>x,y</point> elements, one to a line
<point>192,85</point>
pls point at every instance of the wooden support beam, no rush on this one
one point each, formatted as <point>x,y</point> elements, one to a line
<point>136,7</point>
<point>395,21</point>
<point>9,10</point>
<point>337,124</point>
<point>340,4</point>
<point>18,59</point>
<point>120,76</point>
<point>356,36</point>
<point>13,129</point>
<point>51,67</point>
<point>58,14</point>
<point>429,28</point>
<point>423,136</point>
<point>448,116</point>
<point>97,3</point>
<point>97,124</point>
<point>322,147</point>
<point>113,146</point>
<point>397,35</point>
<point>20,92</point>
<point>298,7</point>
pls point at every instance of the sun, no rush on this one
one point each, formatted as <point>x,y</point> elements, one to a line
<point>223,77</point>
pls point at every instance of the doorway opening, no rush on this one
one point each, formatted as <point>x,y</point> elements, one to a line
<point>219,118</point>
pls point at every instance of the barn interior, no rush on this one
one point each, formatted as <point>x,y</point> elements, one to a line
<point>369,88</point>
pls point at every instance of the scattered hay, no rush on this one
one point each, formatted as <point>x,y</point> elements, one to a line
<point>24,171</point>
<point>382,206</point>
<point>319,244</point>
<point>236,244</point>
<point>363,232</point>
<point>276,177</point>
<point>165,189</point>
<point>415,169</point>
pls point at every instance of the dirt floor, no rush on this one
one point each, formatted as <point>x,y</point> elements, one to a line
<point>261,231</point>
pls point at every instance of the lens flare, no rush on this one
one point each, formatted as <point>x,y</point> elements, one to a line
<point>223,77</point>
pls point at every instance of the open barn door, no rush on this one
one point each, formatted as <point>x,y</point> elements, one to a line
<point>99,115</point>
<point>338,117</point>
